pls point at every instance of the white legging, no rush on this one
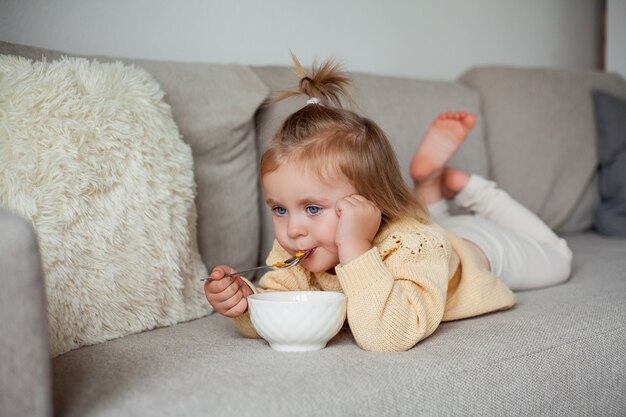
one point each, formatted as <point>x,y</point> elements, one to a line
<point>522,250</point>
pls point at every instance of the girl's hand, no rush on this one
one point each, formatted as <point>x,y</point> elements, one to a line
<point>359,220</point>
<point>227,295</point>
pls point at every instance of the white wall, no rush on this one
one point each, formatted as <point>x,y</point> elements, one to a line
<point>427,38</point>
<point>616,36</point>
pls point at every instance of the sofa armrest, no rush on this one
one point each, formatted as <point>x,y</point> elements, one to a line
<point>25,380</point>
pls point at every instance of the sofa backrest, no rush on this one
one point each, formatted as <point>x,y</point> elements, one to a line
<point>535,136</point>
<point>541,137</point>
<point>214,106</point>
<point>402,107</point>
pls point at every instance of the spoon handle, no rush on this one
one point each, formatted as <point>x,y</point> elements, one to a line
<point>242,272</point>
<point>286,264</point>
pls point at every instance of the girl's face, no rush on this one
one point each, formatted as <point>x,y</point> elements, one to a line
<point>304,214</point>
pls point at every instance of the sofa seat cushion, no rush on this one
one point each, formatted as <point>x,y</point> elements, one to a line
<point>403,108</point>
<point>559,351</point>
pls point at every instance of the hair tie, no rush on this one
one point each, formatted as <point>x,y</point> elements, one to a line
<point>313,100</point>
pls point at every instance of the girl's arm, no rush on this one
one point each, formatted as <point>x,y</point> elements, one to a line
<point>397,290</point>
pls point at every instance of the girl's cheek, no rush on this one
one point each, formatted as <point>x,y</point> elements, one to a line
<point>280,233</point>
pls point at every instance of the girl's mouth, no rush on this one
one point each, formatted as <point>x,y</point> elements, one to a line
<point>309,252</point>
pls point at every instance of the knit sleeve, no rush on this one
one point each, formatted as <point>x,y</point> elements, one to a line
<point>397,290</point>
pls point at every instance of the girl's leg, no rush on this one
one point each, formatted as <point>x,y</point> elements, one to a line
<point>521,248</point>
<point>484,198</point>
<point>439,210</point>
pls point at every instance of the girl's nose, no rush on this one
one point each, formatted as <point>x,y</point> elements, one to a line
<point>295,228</point>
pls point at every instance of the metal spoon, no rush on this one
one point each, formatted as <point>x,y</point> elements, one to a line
<point>286,264</point>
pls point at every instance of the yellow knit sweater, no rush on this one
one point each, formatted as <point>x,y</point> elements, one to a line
<point>416,276</point>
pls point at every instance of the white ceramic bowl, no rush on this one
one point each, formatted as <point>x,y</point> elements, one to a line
<point>297,321</point>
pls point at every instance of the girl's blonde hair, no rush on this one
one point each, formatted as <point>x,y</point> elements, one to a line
<point>328,139</point>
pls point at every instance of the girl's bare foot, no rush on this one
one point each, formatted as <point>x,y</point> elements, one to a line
<point>442,140</point>
<point>454,180</point>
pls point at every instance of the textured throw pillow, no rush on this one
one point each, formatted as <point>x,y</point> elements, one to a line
<point>610,112</point>
<point>213,106</point>
<point>89,152</point>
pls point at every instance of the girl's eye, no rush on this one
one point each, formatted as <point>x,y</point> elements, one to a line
<point>313,210</point>
<point>280,211</point>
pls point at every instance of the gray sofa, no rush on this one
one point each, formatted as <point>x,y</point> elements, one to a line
<point>561,351</point>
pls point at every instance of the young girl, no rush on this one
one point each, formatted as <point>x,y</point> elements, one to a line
<point>333,184</point>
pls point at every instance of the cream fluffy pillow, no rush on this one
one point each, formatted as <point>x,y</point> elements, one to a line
<point>89,152</point>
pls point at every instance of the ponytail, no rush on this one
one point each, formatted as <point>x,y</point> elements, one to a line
<point>326,82</point>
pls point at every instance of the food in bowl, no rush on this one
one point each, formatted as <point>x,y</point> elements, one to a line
<point>297,321</point>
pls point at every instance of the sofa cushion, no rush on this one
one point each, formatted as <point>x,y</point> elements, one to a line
<point>610,113</point>
<point>91,155</point>
<point>213,106</point>
<point>540,137</point>
<point>559,351</point>
<point>403,108</point>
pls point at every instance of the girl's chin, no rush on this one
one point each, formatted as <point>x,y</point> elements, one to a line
<point>318,265</point>
<point>330,269</point>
